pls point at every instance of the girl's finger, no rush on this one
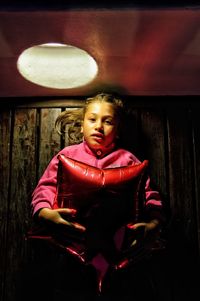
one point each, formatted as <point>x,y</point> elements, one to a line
<point>136,226</point>
<point>70,224</point>
<point>66,210</point>
<point>78,226</point>
<point>63,222</point>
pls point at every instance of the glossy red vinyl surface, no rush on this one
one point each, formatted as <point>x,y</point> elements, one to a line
<point>100,178</point>
<point>80,185</point>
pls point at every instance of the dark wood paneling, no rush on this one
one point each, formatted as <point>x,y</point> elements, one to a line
<point>196,181</point>
<point>196,178</point>
<point>181,184</point>
<point>131,126</point>
<point>49,139</point>
<point>167,136</point>
<point>183,233</point>
<point>5,139</point>
<point>153,148</point>
<point>22,182</point>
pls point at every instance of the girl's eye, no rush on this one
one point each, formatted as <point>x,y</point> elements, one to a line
<point>92,119</point>
<point>108,122</point>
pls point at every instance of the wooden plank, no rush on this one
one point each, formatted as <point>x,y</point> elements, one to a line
<point>153,148</point>
<point>5,137</point>
<point>22,183</point>
<point>52,103</point>
<point>49,140</point>
<point>183,242</point>
<point>196,151</point>
<point>181,181</point>
<point>130,138</point>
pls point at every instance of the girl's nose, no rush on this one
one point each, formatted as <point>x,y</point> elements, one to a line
<point>99,126</point>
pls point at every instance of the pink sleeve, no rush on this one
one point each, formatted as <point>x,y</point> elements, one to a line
<point>152,196</point>
<point>44,193</point>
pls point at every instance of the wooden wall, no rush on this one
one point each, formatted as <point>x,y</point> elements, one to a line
<point>167,133</point>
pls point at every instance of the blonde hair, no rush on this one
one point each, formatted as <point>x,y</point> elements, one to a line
<point>70,121</point>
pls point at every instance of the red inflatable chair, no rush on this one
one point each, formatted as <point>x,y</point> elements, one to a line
<point>107,202</point>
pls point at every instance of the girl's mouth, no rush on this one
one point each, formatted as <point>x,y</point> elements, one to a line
<point>97,138</point>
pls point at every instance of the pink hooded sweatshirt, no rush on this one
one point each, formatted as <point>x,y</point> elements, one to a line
<point>44,193</point>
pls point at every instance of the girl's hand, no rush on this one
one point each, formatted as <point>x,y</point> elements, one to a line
<point>154,224</point>
<point>55,216</point>
<point>148,231</point>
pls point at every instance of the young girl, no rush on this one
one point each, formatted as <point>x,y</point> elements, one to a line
<point>101,125</point>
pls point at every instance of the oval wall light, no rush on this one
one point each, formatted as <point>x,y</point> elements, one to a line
<point>58,66</point>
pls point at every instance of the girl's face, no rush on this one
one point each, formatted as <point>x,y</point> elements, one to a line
<point>100,126</point>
